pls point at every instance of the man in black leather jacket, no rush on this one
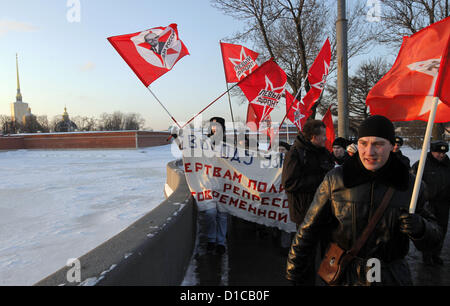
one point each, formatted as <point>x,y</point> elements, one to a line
<point>436,176</point>
<point>304,168</point>
<point>348,197</point>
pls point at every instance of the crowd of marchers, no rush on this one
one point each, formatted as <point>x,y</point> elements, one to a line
<point>335,197</point>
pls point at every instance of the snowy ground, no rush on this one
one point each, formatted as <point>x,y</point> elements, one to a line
<point>57,205</point>
<point>60,204</point>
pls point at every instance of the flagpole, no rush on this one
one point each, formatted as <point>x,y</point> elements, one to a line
<point>209,105</point>
<point>228,91</point>
<point>163,107</point>
<point>425,146</point>
<point>300,89</point>
<point>231,111</point>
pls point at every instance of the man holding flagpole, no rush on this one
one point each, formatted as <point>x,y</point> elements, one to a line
<point>349,197</point>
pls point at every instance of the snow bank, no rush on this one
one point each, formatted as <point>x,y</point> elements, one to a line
<point>57,205</point>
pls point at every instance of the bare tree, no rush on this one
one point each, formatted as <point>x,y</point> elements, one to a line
<point>85,123</point>
<point>119,121</point>
<point>293,31</point>
<point>367,75</point>
<point>43,123</point>
<point>133,121</point>
<point>406,17</point>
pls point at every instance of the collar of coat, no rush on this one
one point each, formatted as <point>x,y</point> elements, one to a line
<point>302,143</point>
<point>394,173</point>
<point>435,162</point>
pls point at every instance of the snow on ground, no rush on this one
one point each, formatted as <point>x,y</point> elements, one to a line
<point>60,204</point>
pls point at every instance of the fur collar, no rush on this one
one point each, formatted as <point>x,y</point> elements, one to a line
<point>394,173</point>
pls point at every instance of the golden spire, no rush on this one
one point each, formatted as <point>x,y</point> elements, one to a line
<point>19,95</point>
<point>65,114</point>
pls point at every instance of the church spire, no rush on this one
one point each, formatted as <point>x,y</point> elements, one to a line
<point>19,95</point>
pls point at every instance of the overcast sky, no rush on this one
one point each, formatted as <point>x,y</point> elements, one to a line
<point>63,63</point>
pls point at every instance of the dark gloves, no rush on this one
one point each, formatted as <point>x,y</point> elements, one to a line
<point>175,131</point>
<point>411,224</point>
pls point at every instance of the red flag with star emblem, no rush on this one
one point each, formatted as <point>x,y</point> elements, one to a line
<point>406,92</point>
<point>150,53</point>
<point>317,75</point>
<point>263,88</point>
<point>328,120</point>
<point>296,111</point>
<point>238,61</point>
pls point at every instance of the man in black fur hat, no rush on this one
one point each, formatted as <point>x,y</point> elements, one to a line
<point>436,176</point>
<point>348,197</point>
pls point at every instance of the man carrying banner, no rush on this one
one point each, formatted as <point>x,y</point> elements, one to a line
<point>437,177</point>
<point>304,168</point>
<point>349,196</point>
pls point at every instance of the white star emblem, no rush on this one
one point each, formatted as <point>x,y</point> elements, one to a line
<point>269,88</point>
<point>321,84</point>
<point>431,68</point>
<point>237,61</point>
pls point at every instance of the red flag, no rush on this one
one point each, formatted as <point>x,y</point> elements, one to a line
<point>406,92</point>
<point>443,82</point>
<point>150,53</point>
<point>328,120</point>
<point>238,61</point>
<point>263,88</point>
<point>317,75</point>
<point>296,111</point>
<point>252,118</point>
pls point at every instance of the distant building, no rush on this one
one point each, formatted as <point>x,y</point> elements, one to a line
<point>18,109</point>
<point>66,125</point>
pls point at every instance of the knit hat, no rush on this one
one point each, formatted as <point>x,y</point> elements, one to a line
<point>377,126</point>
<point>352,148</point>
<point>439,146</point>
<point>399,140</point>
<point>340,141</point>
<point>219,120</point>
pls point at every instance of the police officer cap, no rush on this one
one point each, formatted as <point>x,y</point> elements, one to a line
<point>439,146</point>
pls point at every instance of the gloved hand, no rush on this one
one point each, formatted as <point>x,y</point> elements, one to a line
<point>175,131</point>
<point>411,224</point>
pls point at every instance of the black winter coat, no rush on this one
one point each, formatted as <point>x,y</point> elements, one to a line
<point>404,159</point>
<point>436,176</point>
<point>304,168</point>
<point>342,206</point>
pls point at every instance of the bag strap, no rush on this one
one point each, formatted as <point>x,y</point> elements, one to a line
<point>372,223</point>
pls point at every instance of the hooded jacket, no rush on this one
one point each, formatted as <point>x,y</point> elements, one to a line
<point>304,168</point>
<point>342,206</point>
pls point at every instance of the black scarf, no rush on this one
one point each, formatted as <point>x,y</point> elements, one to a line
<point>394,173</point>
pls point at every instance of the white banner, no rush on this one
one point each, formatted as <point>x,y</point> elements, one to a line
<point>246,184</point>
